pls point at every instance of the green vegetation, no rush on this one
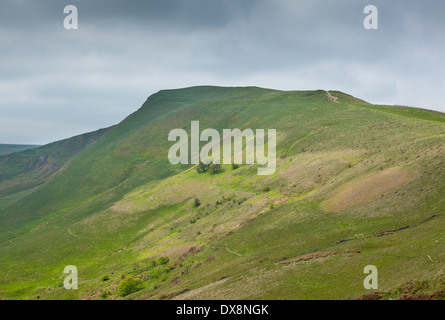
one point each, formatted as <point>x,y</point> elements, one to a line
<point>214,168</point>
<point>105,277</point>
<point>129,285</point>
<point>105,294</point>
<point>349,174</point>
<point>211,168</point>
<point>201,167</point>
<point>163,260</point>
<point>196,203</point>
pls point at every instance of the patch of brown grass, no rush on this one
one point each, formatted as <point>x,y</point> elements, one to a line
<point>414,296</point>
<point>376,295</point>
<point>365,188</point>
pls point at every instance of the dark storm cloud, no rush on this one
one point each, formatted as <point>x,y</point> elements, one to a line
<point>55,82</point>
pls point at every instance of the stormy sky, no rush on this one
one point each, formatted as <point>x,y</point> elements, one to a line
<point>56,83</point>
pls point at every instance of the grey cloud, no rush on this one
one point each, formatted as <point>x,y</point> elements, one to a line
<point>81,80</point>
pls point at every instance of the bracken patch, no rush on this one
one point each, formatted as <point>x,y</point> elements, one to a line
<point>368,187</point>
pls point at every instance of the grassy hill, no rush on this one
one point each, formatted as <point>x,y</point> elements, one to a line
<point>24,172</point>
<point>11,148</point>
<point>349,175</point>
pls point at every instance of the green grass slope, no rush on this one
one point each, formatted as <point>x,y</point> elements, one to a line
<point>356,185</point>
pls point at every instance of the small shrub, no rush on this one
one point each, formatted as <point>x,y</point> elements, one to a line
<point>201,168</point>
<point>163,260</point>
<point>129,285</point>
<point>266,189</point>
<point>196,203</point>
<point>105,277</point>
<point>214,168</point>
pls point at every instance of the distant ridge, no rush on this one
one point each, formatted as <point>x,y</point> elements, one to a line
<point>11,148</point>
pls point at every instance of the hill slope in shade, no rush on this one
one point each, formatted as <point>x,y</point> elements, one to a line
<point>356,184</point>
<point>23,172</point>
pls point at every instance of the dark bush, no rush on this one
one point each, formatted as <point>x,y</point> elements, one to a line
<point>214,168</point>
<point>105,277</point>
<point>201,168</point>
<point>164,260</point>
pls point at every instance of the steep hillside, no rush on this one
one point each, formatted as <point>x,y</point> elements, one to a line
<point>23,172</point>
<point>356,184</point>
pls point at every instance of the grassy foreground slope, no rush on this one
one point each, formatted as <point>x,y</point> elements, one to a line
<point>349,176</point>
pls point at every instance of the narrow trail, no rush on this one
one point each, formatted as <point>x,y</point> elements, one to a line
<point>379,234</point>
<point>87,238</point>
<point>75,235</point>
<point>230,251</point>
<point>383,233</point>
<point>331,97</point>
<point>10,240</point>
